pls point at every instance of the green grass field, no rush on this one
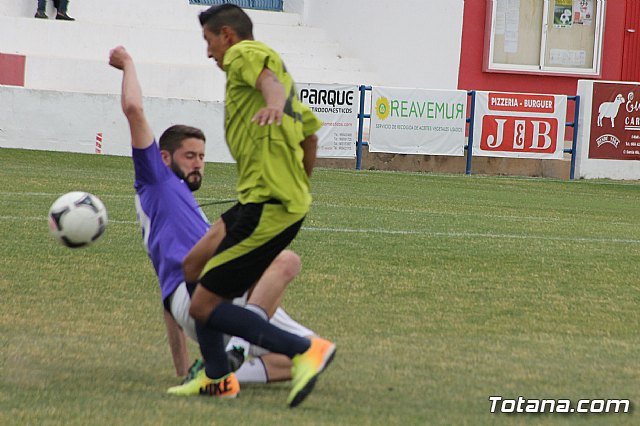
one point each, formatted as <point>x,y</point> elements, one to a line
<point>439,290</point>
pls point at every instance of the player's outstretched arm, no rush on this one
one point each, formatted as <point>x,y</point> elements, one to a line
<point>131,98</point>
<point>177,344</point>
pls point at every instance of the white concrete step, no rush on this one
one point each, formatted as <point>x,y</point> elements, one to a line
<point>184,81</point>
<point>201,82</point>
<point>89,41</point>
<point>165,39</point>
<point>85,40</point>
<point>148,13</point>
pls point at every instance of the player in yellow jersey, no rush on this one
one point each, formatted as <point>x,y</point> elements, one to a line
<point>271,136</point>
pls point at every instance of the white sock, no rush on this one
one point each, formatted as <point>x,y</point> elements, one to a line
<point>252,371</point>
<point>257,310</point>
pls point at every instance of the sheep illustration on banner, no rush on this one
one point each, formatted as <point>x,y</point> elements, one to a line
<point>610,110</point>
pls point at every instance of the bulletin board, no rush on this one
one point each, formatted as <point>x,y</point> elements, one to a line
<point>517,32</point>
<point>571,34</point>
<point>544,36</point>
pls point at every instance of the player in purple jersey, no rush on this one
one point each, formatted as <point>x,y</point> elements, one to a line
<point>172,223</point>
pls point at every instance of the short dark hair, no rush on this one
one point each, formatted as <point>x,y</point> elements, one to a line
<point>230,15</point>
<point>172,138</point>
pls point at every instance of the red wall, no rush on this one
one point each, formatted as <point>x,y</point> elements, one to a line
<point>472,77</point>
<point>12,69</point>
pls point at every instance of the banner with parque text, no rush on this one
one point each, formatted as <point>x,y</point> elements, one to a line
<point>337,107</point>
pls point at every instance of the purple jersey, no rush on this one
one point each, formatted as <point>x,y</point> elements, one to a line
<point>171,220</point>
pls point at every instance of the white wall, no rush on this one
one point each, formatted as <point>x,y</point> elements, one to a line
<point>408,43</point>
<point>166,41</point>
<point>64,121</point>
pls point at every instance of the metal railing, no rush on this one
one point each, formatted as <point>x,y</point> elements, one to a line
<point>275,5</point>
<point>362,115</point>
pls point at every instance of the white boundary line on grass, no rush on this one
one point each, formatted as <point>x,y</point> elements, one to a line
<point>44,219</point>
<point>332,205</point>
<point>474,235</point>
<point>401,232</point>
<point>123,196</point>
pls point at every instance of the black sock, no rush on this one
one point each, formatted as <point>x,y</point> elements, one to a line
<point>213,351</point>
<point>238,321</point>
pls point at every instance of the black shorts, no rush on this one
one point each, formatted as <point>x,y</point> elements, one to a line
<point>256,233</point>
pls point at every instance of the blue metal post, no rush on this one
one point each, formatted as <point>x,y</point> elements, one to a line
<point>470,120</point>
<point>574,142</point>
<point>361,117</point>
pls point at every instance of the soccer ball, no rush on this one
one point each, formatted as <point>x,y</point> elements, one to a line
<point>565,18</point>
<point>77,219</point>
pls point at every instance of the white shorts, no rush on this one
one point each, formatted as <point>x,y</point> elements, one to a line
<point>180,301</point>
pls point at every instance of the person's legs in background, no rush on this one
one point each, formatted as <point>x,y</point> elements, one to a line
<point>40,13</point>
<point>61,6</point>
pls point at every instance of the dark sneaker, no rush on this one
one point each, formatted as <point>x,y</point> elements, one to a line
<point>41,15</point>
<point>62,16</point>
<point>236,358</point>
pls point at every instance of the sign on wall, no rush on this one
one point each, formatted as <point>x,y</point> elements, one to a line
<point>615,132</point>
<point>418,121</point>
<point>337,107</point>
<point>608,143</point>
<point>519,125</point>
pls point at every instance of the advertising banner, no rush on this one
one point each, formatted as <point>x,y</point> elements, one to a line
<point>337,107</point>
<point>615,132</point>
<point>418,121</point>
<point>519,125</point>
<point>608,144</point>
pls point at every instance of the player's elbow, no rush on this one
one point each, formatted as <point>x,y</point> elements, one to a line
<point>311,140</point>
<point>133,110</point>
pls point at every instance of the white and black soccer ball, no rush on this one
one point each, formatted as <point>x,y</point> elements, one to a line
<point>565,18</point>
<point>77,219</point>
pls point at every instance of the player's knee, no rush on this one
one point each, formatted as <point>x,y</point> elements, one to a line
<point>199,311</point>
<point>289,263</point>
